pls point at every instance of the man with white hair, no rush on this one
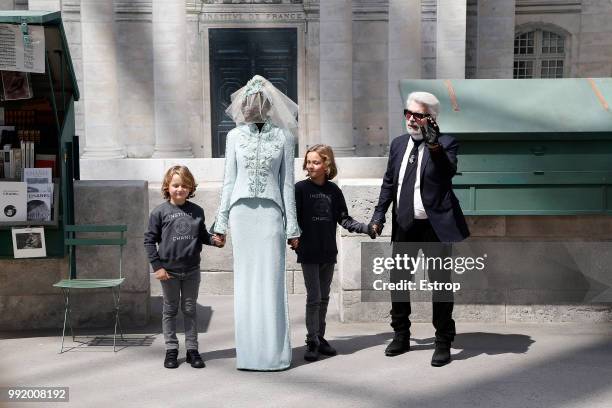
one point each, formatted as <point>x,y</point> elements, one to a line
<point>418,182</point>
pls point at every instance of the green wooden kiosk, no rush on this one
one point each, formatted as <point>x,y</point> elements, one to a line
<point>50,114</point>
<point>528,146</point>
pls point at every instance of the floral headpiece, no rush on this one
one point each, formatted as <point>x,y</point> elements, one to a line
<point>280,109</point>
<point>254,85</point>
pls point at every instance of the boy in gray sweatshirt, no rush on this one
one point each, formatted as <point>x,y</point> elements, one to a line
<point>173,242</point>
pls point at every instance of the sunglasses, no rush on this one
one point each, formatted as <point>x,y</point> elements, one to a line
<point>419,116</point>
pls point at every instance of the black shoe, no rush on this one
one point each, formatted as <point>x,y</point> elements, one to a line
<point>399,345</point>
<point>311,353</point>
<point>170,361</point>
<point>441,356</point>
<point>194,358</point>
<point>325,348</point>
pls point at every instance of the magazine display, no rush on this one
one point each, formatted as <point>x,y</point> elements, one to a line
<point>13,201</point>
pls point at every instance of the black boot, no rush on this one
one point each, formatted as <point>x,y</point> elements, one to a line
<point>170,361</point>
<point>399,345</point>
<point>325,348</point>
<point>194,358</point>
<point>441,355</point>
<point>311,354</point>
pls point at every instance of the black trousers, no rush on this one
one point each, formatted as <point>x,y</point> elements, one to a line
<point>422,236</point>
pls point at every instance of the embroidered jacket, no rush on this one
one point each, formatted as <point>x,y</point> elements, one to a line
<point>260,165</point>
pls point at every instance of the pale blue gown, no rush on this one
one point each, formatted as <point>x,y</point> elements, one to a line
<point>258,203</point>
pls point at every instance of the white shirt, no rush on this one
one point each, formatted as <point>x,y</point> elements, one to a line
<point>419,210</point>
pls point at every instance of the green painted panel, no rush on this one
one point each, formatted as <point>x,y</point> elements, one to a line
<point>498,106</point>
<point>535,156</point>
<point>551,198</point>
<point>532,178</point>
<point>543,200</point>
<point>524,162</point>
<point>463,195</point>
<point>31,16</point>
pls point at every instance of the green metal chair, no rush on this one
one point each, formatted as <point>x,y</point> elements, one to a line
<point>73,282</point>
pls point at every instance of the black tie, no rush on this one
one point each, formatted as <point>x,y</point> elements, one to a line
<point>405,210</point>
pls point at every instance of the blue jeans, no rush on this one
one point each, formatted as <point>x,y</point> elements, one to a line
<point>181,290</point>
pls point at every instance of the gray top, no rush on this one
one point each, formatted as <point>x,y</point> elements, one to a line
<point>175,236</point>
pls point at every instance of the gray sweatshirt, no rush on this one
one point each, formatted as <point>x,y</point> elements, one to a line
<point>175,236</point>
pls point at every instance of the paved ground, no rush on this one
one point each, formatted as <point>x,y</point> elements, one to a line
<point>515,365</point>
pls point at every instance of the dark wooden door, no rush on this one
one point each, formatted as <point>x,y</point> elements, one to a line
<point>236,54</point>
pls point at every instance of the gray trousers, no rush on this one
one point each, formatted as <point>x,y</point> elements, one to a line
<point>183,291</point>
<point>318,279</point>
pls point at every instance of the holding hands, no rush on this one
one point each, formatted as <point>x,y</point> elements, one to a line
<point>294,243</point>
<point>218,240</point>
<point>374,230</point>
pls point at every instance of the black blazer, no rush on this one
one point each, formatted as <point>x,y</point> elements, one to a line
<point>437,170</point>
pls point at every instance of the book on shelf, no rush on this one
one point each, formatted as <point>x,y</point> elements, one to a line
<point>25,154</point>
<point>6,132</point>
<point>39,203</point>
<point>37,175</point>
<point>30,154</point>
<point>17,166</point>
<point>23,158</point>
<point>7,154</point>
<point>46,160</point>
<point>13,201</point>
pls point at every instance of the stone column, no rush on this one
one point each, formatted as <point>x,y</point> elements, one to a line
<point>495,39</point>
<point>46,5</point>
<point>7,5</point>
<point>336,75</point>
<point>404,56</point>
<point>135,77</point>
<point>450,41</point>
<point>170,79</point>
<point>100,80</point>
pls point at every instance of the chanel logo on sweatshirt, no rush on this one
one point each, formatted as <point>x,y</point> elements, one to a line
<point>322,207</point>
<point>182,226</point>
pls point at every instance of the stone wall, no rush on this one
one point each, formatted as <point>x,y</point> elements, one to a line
<point>29,301</point>
<point>13,4</point>
<point>359,179</point>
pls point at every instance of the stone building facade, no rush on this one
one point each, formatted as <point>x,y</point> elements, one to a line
<point>144,66</point>
<point>145,69</point>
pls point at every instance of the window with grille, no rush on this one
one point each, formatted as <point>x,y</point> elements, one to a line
<point>539,54</point>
